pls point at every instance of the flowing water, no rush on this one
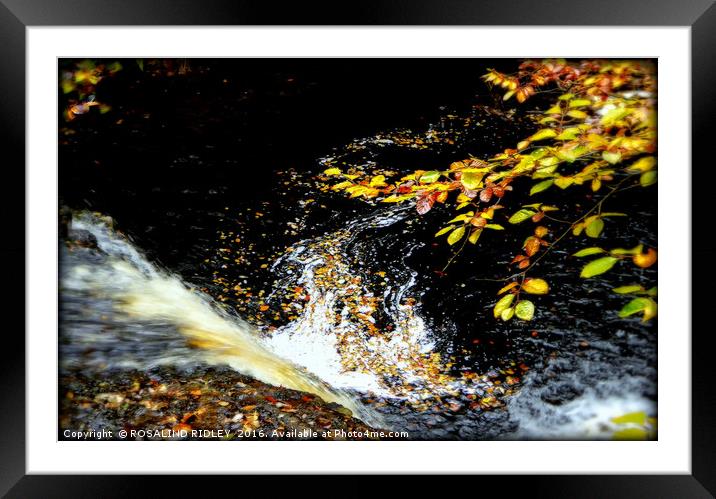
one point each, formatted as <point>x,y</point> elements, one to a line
<point>350,303</point>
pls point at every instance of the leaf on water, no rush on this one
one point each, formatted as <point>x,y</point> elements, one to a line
<point>598,266</point>
<point>589,251</point>
<point>525,310</point>
<point>456,235</point>
<point>521,215</point>
<point>595,227</point>
<point>332,171</point>
<point>430,177</point>
<point>503,304</point>
<point>535,286</point>
<point>545,184</point>
<point>378,181</point>
<point>444,230</point>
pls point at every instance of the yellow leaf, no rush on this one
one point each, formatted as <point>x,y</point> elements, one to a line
<point>332,171</point>
<point>456,235</point>
<point>535,286</point>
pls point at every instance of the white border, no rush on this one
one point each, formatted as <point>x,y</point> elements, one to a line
<point>670,454</point>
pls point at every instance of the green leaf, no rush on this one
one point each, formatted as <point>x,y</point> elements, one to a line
<point>503,304</point>
<point>570,133</point>
<point>633,417</point>
<point>595,227</point>
<point>598,266</point>
<point>646,305</point>
<point>507,314</point>
<point>577,114</point>
<point>521,215</point>
<point>625,290</point>
<point>589,251</point>
<point>643,165</point>
<point>648,178</point>
<point>429,177</point>
<point>566,97</point>
<point>471,180</point>
<point>494,227</point>
<point>580,103</point>
<point>474,236</point>
<point>444,230</point>
<point>525,310</point>
<point>545,184</point>
<point>615,115</point>
<point>545,133</point>
<point>456,235</point>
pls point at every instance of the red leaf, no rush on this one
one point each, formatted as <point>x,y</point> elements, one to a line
<point>486,195</point>
<point>424,204</point>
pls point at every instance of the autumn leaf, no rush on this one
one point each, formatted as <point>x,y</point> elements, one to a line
<point>544,185</point>
<point>589,251</point>
<point>525,310</point>
<point>471,180</point>
<point>508,287</point>
<point>332,171</point>
<point>503,304</point>
<point>430,177</point>
<point>456,235</point>
<point>598,266</point>
<point>595,227</point>
<point>521,215</point>
<point>645,260</point>
<point>535,286</point>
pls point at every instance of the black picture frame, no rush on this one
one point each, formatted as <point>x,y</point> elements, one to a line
<point>17,15</point>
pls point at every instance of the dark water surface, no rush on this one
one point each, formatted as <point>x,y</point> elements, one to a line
<point>212,176</point>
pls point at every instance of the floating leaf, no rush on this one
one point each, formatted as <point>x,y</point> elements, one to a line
<point>589,251</point>
<point>595,227</point>
<point>598,266</point>
<point>535,286</point>
<point>456,235</point>
<point>424,204</point>
<point>521,215</point>
<point>332,171</point>
<point>525,310</point>
<point>545,184</point>
<point>503,304</point>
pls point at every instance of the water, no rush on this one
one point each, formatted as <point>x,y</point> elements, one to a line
<point>132,314</point>
<point>362,315</point>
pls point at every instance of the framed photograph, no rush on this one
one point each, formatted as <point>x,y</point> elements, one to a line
<point>402,238</point>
